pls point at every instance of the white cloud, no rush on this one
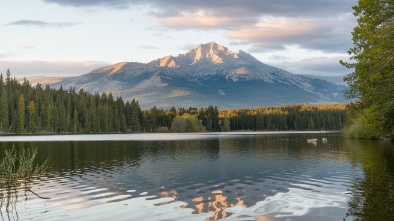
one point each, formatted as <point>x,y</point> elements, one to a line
<point>26,47</point>
<point>309,33</point>
<point>319,65</point>
<point>146,46</point>
<point>275,28</point>
<point>323,25</point>
<point>201,20</point>
<point>42,24</point>
<point>6,55</point>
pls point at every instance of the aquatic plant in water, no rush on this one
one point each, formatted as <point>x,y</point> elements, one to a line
<point>17,169</point>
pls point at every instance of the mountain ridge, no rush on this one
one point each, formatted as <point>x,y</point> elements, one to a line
<point>209,74</point>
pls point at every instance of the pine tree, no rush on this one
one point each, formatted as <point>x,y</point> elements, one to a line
<point>4,116</point>
<point>226,124</point>
<point>61,115</point>
<point>21,115</point>
<point>135,116</point>
<point>32,117</point>
<point>372,82</point>
<point>259,121</point>
<point>75,121</point>
<point>120,105</point>
<point>48,118</point>
<point>95,120</point>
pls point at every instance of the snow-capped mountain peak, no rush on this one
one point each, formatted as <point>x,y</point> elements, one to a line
<point>212,53</point>
<point>209,53</point>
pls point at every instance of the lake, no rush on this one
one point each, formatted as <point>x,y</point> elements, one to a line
<point>206,176</point>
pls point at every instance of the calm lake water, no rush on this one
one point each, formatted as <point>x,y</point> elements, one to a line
<point>229,176</point>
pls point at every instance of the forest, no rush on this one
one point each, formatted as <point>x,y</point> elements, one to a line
<point>36,109</point>
<point>371,81</point>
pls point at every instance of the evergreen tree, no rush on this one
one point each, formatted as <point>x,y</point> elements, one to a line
<point>111,113</point>
<point>32,117</point>
<point>215,118</point>
<point>128,115</point>
<point>49,121</point>
<point>21,115</point>
<point>62,118</point>
<point>259,121</point>
<point>4,116</point>
<point>75,121</point>
<point>55,120</point>
<point>94,119</point>
<point>226,124</point>
<point>372,82</point>
<point>135,116</point>
<point>120,106</point>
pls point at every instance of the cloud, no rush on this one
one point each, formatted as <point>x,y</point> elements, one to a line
<point>323,25</point>
<point>275,28</point>
<point>200,20</point>
<point>322,66</point>
<point>50,68</point>
<point>235,8</point>
<point>92,3</point>
<point>6,55</point>
<point>188,46</point>
<point>146,46</point>
<point>309,33</point>
<point>41,24</point>
<point>26,47</point>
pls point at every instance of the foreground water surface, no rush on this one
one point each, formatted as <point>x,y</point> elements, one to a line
<point>229,176</point>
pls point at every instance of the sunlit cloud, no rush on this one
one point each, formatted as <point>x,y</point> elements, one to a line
<point>201,20</point>
<point>259,24</point>
<point>275,28</point>
<point>42,24</point>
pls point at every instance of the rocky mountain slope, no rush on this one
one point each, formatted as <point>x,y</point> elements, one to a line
<point>207,75</point>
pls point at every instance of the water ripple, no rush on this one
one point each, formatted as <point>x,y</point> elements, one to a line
<point>247,178</point>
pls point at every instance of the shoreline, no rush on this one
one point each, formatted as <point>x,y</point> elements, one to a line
<point>144,136</point>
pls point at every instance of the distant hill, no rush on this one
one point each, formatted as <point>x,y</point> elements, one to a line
<point>210,74</point>
<point>333,79</point>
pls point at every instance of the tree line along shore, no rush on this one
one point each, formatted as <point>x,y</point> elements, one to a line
<point>28,109</point>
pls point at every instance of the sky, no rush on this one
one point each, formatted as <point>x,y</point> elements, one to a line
<point>73,37</point>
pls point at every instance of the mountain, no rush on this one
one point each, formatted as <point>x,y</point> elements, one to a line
<point>333,79</point>
<point>210,74</point>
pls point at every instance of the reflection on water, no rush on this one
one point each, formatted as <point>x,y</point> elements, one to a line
<point>372,192</point>
<point>238,177</point>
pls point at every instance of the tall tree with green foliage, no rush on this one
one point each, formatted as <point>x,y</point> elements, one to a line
<point>185,123</point>
<point>372,82</point>
<point>31,117</point>
<point>21,115</point>
<point>4,116</point>
<point>135,116</point>
<point>226,125</point>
